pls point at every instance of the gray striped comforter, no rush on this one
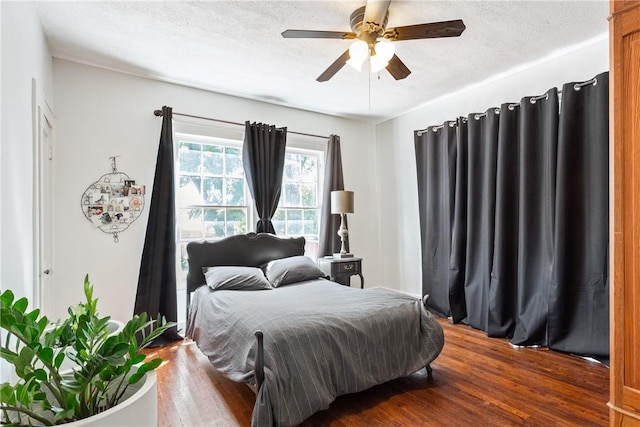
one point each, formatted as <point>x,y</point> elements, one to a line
<point>321,340</point>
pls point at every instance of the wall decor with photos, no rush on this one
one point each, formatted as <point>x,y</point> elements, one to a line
<point>113,202</point>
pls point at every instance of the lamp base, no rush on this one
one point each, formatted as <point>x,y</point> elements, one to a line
<point>345,255</point>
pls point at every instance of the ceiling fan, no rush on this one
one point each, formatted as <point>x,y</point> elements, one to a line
<point>372,39</point>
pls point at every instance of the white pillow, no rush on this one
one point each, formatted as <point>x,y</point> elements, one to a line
<point>293,269</point>
<point>235,278</point>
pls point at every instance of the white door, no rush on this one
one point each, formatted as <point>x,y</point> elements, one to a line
<point>43,294</point>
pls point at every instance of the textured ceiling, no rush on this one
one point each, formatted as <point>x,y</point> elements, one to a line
<point>235,47</point>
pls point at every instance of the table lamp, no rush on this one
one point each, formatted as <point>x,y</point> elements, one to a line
<point>342,203</point>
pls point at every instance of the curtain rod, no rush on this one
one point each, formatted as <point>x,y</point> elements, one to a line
<point>158,113</point>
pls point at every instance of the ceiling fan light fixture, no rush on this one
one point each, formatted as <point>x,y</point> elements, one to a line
<point>384,51</point>
<point>358,53</point>
<point>377,63</point>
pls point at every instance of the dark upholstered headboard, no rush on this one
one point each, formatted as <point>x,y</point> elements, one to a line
<point>250,250</point>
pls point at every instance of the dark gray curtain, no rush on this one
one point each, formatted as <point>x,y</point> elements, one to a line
<point>504,270</point>
<point>514,205</point>
<point>457,266</point>
<point>333,180</point>
<point>523,240</point>
<point>436,155</point>
<point>156,294</point>
<point>579,296</point>
<point>537,146</point>
<point>482,146</point>
<point>263,158</point>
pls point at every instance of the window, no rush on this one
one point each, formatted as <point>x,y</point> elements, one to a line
<point>298,211</point>
<point>211,195</point>
<point>213,199</point>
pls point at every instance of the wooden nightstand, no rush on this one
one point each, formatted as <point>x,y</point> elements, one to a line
<point>340,270</point>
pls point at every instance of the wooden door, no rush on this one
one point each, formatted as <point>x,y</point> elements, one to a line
<point>625,244</point>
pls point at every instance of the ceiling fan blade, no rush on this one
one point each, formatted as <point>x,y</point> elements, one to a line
<point>431,30</point>
<point>375,11</point>
<point>397,68</point>
<point>312,34</point>
<point>334,68</point>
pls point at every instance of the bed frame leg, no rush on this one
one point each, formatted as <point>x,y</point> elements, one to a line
<point>425,297</point>
<point>188,308</point>
<point>259,366</point>
<point>429,372</point>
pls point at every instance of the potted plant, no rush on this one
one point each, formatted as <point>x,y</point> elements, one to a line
<point>106,366</point>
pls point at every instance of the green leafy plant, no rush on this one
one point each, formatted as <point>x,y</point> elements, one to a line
<point>105,364</point>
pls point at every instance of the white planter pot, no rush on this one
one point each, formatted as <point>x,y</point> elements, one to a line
<point>139,406</point>
<point>114,326</point>
<point>140,409</point>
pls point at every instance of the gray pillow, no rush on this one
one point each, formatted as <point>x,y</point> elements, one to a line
<point>235,278</point>
<point>293,269</point>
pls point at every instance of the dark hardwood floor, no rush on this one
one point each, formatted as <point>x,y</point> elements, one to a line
<point>477,381</point>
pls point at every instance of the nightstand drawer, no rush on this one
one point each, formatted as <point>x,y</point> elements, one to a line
<point>347,267</point>
<point>340,270</point>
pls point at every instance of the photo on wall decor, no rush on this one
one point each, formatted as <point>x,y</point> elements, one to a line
<point>137,190</point>
<point>122,202</point>
<point>136,203</point>
<point>99,198</point>
<point>120,217</point>
<point>94,211</point>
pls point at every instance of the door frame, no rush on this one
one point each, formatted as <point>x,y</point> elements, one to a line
<point>43,201</point>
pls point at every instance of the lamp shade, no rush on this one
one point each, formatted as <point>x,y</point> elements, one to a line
<point>341,202</point>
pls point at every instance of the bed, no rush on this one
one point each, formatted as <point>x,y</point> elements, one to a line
<point>305,341</point>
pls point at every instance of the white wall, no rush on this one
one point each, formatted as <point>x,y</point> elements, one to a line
<point>25,56</point>
<point>102,113</point>
<point>399,221</point>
